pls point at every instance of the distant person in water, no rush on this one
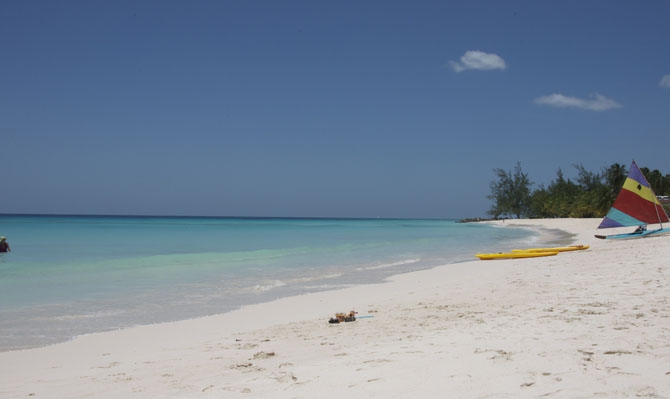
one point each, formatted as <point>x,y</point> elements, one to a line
<point>4,247</point>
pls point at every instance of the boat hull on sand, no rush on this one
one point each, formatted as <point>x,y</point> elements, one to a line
<point>640,234</point>
<point>515,255</point>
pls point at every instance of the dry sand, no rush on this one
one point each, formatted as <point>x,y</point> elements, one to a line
<point>583,324</point>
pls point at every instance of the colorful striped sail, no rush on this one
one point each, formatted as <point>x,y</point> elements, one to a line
<point>636,204</point>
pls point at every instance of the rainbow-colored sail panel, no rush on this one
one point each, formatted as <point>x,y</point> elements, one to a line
<point>636,204</point>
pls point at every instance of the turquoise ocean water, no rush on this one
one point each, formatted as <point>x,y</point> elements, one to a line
<point>72,275</point>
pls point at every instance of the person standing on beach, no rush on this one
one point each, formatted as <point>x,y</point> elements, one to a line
<point>4,247</point>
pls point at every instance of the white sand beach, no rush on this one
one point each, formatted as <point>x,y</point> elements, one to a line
<point>582,324</point>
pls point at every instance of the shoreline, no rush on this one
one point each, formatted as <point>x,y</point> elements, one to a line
<point>584,323</point>
<point>540,235</point>
<point>211,290</point>
<point>52,294</point>
<point>546,236</point>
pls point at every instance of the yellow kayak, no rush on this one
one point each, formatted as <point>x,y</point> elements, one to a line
<point>515,255</point>
<point>556,249</point>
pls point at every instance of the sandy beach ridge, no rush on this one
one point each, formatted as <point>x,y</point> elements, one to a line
<point>592,323</point>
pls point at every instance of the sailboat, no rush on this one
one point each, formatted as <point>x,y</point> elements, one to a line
<point>636,205</point>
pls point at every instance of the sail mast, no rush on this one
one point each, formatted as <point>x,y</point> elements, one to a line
<point>658,214</point>
<point>656,202</point>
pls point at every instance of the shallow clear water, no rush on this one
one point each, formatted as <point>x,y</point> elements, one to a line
<point>71,275</point>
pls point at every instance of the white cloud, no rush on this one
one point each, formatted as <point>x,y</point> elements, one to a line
<point>478,60</point>
<point>665,81</point>
<point>597,102</point>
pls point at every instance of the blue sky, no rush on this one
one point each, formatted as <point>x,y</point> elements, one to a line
<point>314,108</point>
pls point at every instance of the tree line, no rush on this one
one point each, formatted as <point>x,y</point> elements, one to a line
<point>589,195</point>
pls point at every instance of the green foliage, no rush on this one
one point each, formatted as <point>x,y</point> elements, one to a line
<point>510,193</point>
<point>614,177</point>
<point>658,182</point>
<point>590,195</point>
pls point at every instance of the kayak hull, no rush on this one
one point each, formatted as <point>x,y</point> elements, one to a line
<point>555,249</point>
<point>515,255</point>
